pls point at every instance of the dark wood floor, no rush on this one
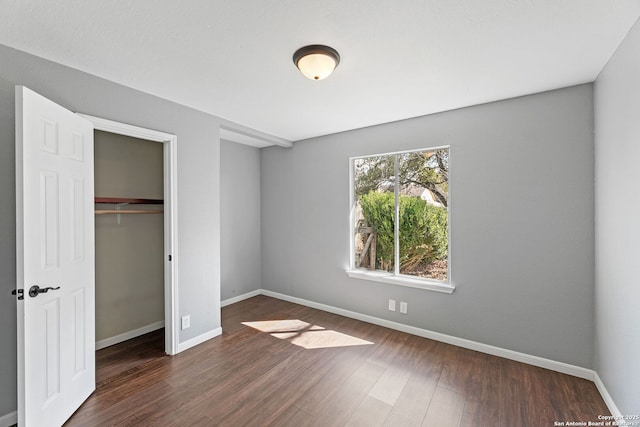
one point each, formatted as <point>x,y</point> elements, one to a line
<point>247,377</point>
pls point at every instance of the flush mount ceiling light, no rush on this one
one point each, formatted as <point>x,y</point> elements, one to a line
<point>316,61</point>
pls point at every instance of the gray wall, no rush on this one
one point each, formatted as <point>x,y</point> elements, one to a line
<point>617,142</point>
<point>129,253</point>
<point>8,362</point>
<point>521,189</point>
<point>240,269</point>
<point>198,172</point>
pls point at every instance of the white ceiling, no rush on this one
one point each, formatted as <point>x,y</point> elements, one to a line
<point>399,59</point>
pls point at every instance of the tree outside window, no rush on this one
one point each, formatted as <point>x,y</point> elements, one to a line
<point>400,220</point>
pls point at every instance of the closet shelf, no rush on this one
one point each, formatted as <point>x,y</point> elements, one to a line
<point>121,201</point>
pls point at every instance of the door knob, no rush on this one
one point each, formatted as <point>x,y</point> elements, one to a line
<point>35,290</point>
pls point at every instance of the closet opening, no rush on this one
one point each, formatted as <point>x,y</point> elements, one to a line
<point>135,220</point>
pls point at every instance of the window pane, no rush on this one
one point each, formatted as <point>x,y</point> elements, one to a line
<point>374,213</point>
<point>423,198</point>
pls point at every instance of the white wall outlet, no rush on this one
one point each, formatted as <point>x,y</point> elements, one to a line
<point>392,305</point>
<point>403,307</point>
<point>186,322</point>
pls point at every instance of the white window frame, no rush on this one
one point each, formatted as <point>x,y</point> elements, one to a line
<point>395,278</point>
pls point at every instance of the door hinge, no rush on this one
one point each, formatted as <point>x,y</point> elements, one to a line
<point>19,292</point>
<point>169,257</point>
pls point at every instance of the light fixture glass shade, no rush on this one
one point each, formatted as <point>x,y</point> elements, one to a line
<point>316,62</point>
<point>316,66</point>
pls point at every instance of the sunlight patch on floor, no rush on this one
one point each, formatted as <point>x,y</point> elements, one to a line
<point>306,335</point>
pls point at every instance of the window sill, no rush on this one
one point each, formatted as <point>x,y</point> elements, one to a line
<point>383,277</point>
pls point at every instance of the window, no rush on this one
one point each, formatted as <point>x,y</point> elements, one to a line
<point>400,218</point>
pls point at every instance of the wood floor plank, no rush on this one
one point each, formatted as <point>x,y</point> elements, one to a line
<point>445,409</point>
<point>212,401</point>
<point>247,377</point>
<point>389,349</point>
<point>94,413</point>
<point>370,413</point>
<point>346,399</point>
<point>266,396</point>
<point>413,402</point>
<point>291,417</point>
<point>274,408</point>
<point>406,365</point>
<point>323,391</point>
<point>389,386</point>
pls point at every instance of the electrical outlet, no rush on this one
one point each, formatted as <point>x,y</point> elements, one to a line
<point>403,307</point>
<point>392,305</point>
<point>186,322</point>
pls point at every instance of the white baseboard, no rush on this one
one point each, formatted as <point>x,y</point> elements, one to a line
<point>107,342</point>
<point>199,339</point>
<point>9,419</point>
<point>553,365</point>
<point>606,397</point>
<point>240,298</point>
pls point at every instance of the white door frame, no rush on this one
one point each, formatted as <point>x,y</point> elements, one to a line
<point>169,142</point>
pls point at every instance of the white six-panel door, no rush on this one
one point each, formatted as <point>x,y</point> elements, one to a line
<point>55,248</point>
